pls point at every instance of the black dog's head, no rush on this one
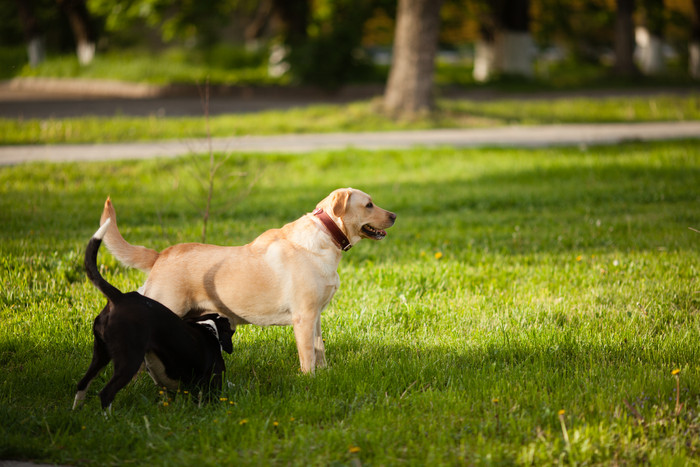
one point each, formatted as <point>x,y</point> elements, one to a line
<point>223,329</point>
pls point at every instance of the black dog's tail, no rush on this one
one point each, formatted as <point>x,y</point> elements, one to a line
<point>108,290</point>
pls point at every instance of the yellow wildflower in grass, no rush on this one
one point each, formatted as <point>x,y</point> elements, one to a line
<point>579,258</point>
<point>275,424</point>
<point>165,404</point>
<point>291,419</point>
<point>494,400</point>
<point>223,399</point>
<point>243,422</point>
<point>564,431</point>
<point>354,449</point>
<point>679,406</point>
<point>438,255</point>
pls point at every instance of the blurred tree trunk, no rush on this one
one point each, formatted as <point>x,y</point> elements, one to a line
<point>514,44</point>
<point>293,17</point>
<point>82,27</point>
<point>485,52</point>
<point>506,44</point>
<point>694,46</point>
<point>36,46</point>
<point>409,88</point>
<point>290,18</point>
<point>624,39</point>
<point>650,47</point>
<point>255,29</point>
<point>649,38</point>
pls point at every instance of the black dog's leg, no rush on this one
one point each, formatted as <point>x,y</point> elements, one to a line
<point>211,386</point>
<point>100,359</point>
<point>124,370</point>
<point>217,378</point>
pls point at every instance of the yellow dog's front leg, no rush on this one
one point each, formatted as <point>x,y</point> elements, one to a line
<point>319,346</point>
<point>304,325</point>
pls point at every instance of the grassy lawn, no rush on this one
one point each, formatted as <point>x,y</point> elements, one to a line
<point>230,65</point>
<point>516,284</point>
<point>359,116</point>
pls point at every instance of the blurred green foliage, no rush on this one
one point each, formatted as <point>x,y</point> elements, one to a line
<point>331,41</point>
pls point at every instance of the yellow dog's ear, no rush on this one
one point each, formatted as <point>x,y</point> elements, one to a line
<point>339,201</point>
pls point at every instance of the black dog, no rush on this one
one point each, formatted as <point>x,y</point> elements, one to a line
<point>132,329</point>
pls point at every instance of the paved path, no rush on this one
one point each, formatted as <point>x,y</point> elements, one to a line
<point>9,463</point>
<point>46,98</point>
<point>508,136</point>
<point>63,98</point>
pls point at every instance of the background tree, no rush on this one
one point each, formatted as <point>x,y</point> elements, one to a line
<point>584,28</point>
<point>287,22</point>
<point>694,43</point>
<point>624,39</point>
<point>485,47</point>
<point>515,49</point>
<point>506,45</point>
<point>33,35</point>
<point>329,42</point>
<point>83,28</point>
<point>199,22</point>
<point>331,54</point>
<point>288,18</point>
<point>409,89</point>
<point>649,37</point>
<point>293,17</point>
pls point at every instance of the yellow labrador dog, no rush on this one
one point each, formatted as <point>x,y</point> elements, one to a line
<point>285,276</point>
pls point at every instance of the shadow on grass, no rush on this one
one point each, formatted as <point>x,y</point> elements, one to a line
<point>269,366</point>
<point>494,386</point>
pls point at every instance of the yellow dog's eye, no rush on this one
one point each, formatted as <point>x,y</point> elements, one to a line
<point>369,205</point>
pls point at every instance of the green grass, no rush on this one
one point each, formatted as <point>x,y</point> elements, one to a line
<point>515,284</point>
<point>358,116</point>
<point>12,59</point>
<point>218,65</point>
<point>667,108</point>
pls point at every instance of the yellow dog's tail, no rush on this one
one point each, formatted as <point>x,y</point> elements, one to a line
<point>134,256</point>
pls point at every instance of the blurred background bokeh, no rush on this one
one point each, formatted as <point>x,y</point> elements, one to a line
<point>330,43</point>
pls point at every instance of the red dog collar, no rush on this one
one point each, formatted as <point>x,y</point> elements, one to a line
<point>338,236</point>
